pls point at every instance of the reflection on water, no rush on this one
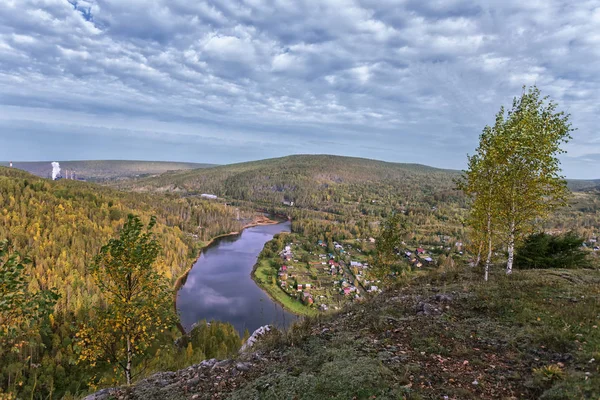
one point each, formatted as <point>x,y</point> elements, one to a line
<point>219,286</point>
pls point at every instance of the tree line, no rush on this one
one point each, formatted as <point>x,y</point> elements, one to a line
<point>59,227</point>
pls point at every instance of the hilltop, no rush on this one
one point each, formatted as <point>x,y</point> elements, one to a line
<point>103,170</point>
<point>321,182</point>
<point>316,181</point>
<point>446,334</point>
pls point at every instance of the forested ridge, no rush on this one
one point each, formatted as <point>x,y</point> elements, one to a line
<point>346,197</point>
<point>103,170</point>
<point>60,226</point>
<point>321,182</point>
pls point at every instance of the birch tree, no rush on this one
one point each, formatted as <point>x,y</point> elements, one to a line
<point>529,184</point>
<point>514,177</point>
<point>137,301</point>
<point>480,183</point>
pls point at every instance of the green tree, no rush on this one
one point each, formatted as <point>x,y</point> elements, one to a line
<point>529,183</point>
<point>541,250</point>
<point>137,301</point>
<point>480,182</point>
<point>385,260</point>
<point>21,311</point>
<point>514,177</point>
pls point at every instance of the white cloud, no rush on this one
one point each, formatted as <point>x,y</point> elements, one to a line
<point>305,69</point>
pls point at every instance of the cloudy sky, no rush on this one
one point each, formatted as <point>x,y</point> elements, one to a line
<point>225,81</point>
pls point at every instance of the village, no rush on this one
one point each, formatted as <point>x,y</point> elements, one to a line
<point>325,278</point>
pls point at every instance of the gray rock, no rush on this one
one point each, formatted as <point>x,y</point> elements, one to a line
<point>426,309</point>
<point>208,363</point>
<point>243,366</point>
<point>254,337</point>
<point>221,364</point>
<point>104,394</point>
<point>446,298</point>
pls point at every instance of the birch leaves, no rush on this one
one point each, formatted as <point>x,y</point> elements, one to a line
<point>514,176</point>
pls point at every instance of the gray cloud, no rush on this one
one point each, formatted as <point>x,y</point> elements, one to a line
<point>400,80</point>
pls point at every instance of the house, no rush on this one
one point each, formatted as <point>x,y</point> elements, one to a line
<point>284,267</point>
<point>299,288</point>
<point>324,307</point>
<point>372,240</point>
<point>408,254</point>
<point>307,298</point>
<point>288,203</point>
<point>283,284</point>
<point>346,291</point>
<point>420,250</point>
<point>418,265</point>
<point>307,286</point>
<point>356,264</point>
<point>208,196</point>
<point>283,276</point>
<point>428,259</point>
<point>373,289</point>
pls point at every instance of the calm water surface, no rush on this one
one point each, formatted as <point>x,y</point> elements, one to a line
<point>219,286</point>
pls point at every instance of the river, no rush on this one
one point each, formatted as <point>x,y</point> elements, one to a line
<point>220,286</point>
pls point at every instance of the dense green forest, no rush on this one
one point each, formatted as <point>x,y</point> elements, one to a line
<point>60,226</point>
<point>320,182</point>
<point>344,197</point>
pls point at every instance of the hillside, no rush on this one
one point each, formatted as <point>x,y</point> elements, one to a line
<point>345,197</point>
<point>582,185</point>
<point>61,225</point>
<point>445,335</point>
<point>321,182</point>
<point>104,170</point>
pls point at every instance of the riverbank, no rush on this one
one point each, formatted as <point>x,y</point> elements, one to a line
<point>261,276</point>
<point>180,281</point>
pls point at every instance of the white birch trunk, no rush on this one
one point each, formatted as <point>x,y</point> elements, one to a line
<point>511,248</point>
<point>478,260</point>
<point>128,367</point>
<point>488,260</point>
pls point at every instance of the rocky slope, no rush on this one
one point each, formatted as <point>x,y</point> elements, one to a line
<point>446,335</point>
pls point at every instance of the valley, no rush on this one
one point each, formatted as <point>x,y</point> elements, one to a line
<point>319,267</point>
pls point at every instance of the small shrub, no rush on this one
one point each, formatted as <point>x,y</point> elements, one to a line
<point>549,374</point>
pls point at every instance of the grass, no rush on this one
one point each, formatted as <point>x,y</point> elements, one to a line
<point>534,334</point>
<point>262,274</point>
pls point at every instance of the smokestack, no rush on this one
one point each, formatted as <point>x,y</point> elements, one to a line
<point>11,164</point>
<point>55,170</point>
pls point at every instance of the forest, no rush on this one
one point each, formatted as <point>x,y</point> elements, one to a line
<point>60,226</point>
<point>343,197</point>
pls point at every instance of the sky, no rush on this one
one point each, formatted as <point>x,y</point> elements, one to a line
<point>227,81</point>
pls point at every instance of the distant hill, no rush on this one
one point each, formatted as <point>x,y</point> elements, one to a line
<point>321,182</point>
<point>104,170</point>
<point>583,185</point>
